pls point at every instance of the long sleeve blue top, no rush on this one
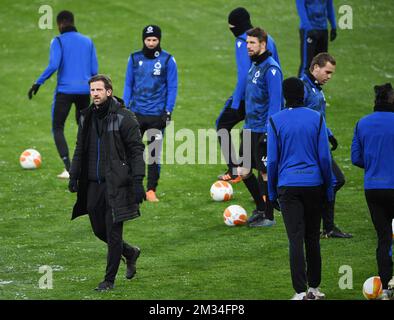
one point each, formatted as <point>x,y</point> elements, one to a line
<point>373,149</point>
<point>243,65</point>
<point>73,56</point>
<point>298,153</point>
<point>151,85</point>
<point>314,14</point>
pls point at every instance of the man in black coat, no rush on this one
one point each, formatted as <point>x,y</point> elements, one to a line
<point>107,171</point>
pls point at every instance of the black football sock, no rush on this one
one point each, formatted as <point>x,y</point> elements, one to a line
<point>269,209</point>
<point>253,187</point>
<point>66,161</point>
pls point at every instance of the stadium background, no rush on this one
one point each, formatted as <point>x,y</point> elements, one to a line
<point>187,251</point>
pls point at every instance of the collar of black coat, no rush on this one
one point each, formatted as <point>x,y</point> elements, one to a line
<point>385,107</point>
<point>261,58</point>
<point>68,29</point>
<point>102,110</point>
<point>313,80</point>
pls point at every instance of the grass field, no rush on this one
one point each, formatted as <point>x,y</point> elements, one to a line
<point>187,251</point>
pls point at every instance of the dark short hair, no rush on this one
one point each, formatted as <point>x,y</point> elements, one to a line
<point>65,17</point>
<point>102,77</point>
<point>321,60</point>
<point>384,94</point>
<point>258,33</point>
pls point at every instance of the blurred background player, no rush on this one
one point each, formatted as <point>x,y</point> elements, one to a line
<point>150,91</point>
<point>320,72</point>
<point>263,98</point>
<point>373,151</point>
<point>314,30</point>
<point>73,56</point>
<point>299,173</point>
<point>107,173</point>
<point>233,111</point>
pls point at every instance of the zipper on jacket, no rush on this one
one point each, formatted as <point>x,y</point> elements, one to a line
<point>98,161</point>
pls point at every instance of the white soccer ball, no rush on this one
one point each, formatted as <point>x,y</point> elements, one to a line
<point>235,215</point>
<point>221,191</point>
<point>372,288</point>
<point>30,159</point>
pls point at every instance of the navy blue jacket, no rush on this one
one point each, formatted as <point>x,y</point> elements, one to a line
<point>298,153</point>
<point>151,84</point>
<point>314,14</point>
<point>243,65</point>
<point>373,149</point>
<point>263,96</point>
<point>314,97</point>
<point>73,56</point>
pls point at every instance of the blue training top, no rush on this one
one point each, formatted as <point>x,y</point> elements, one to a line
<point>373,149</point>
<point>314,14</point>
<point>243,65</point>
<point>73,55</point>
<point>151,84</point>
<point>263,96</point>
<point>298,153</point>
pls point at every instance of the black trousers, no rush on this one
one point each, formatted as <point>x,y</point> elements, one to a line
<point>227,119</point>
<point>310,47</point>
<point>154,126</point>
<point>301,210</point>
<point>60,109</point>
<point>103,227</point>
<point>328,211</point>
<point>381,206</point>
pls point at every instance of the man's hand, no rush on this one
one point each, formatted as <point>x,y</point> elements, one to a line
<point>139,192</point>
<point>333,142</point>
<point>73,185</point>
<point>333,34</point>
<point>34,88</point>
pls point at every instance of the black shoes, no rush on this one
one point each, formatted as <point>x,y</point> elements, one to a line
<point>256,215</point>
<point>131,268</point>
<point>336,233</point>
<point>105,286</point>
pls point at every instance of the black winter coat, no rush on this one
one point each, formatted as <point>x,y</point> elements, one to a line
<point>123,158</point>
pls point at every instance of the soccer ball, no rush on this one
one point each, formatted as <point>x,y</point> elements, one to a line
<point>372,288</point>
<point>30,159</point>
<point>221,191</point>
<point>235,215</point>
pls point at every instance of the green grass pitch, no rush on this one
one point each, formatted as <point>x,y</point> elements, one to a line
<point>187,251</point>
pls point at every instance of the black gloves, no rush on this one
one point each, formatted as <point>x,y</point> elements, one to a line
<point>333,142</point>
<point>165,118</point>
<point>139,192</point>
<point>333,34</point>
<point>34,88</point>
<point>73,185</point>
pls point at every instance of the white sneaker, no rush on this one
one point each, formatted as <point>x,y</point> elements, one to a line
<point>299,296</point>
<point>387,294</point>
<point>315,294</point>
<point>64,175</point>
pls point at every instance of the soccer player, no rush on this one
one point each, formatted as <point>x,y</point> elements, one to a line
<point>314,30</point>
<point>233,111</point>
<point>107,172</point>
<point>299,174</point>
<point>263,98</point>
<point>150,91</point>
<point>373,151</point>
<point>73,56</point>
<point>320,72</point>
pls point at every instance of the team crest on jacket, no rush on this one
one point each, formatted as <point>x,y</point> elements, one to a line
<point>157,69</point>
<point>256,75</point>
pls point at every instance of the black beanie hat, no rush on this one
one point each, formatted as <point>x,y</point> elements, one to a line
<point>240,19</point>
<point>293,91</point>
<point>382,94</point>
<point>151,31</point>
